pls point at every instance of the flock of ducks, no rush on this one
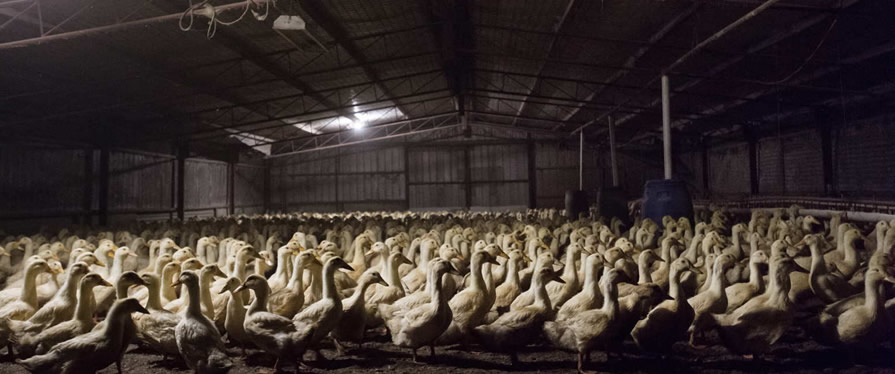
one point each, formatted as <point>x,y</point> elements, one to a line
<point>285,284</point>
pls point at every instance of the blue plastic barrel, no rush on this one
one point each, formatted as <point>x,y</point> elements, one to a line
<point>666,197</point>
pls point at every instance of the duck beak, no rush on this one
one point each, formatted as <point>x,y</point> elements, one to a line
<point>58,270</point>
<point>105,283</point>
<point>453,270</point>
<point>696,270</point>
<point>556,277</point>
<point>175,284</point>
<point>492,260</point>
<point>501,253</point>
<point>382,282</point>
<point>344,265</point>
<point>141,309</point>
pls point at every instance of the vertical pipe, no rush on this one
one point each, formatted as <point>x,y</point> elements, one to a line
<point>666,126</point>
<point>265,194</point>
<point>181,180</point>
<point>405,149</point>
<point>581,161</point>
<point>231,188</point>
<point>613,162</point>
<point>532,174</point>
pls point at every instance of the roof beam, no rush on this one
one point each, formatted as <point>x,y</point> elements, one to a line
<point>764,44</point>
<point>316,9</point>
<point>233,41</point>
<point>557,29</point>
<point>632,60</point>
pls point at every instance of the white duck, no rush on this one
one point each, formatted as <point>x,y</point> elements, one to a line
<point>198,340</point>
<point>90,352</point>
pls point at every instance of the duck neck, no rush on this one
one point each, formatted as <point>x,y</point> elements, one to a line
<point>737,249</point>
<point>204,292</point>
<point>674,286</point>
<point>541,298</point>
<point>154,300</point>
<point>478,281</point>
<point>512,273</point>
<point>69,288</point>
<point>166,287</point>
<point>329,284</point>
<point>818,265</point>
<point>755,277</point>
<point>29,288</point>
<point>570,272</point>
<point>83,310</point>
<point>239,268</point>
<point>296,280</point>
<point>316,280</point>
<point>872,296</point>
<point>610,298</point>
<point>850,253</point>
<point>394,277</point>
<point>260,303</point>
<point>645,275</point>
<point>194,304</point>
<point>358,256</point>
<point>718,280</point>
<point>121,289</point>
<point>282,264</point>
<point>114,328</point>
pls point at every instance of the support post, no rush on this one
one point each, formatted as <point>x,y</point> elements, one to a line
<point>103,186</point>
<point>825,121</point>
<point>532,174</point>
<point>231,188</point>
<point>581,161</point>
<point>666,126</point>
<point>182,153</point>
<point>613,161</point>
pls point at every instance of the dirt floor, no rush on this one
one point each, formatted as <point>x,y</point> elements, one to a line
<point>793,354</point>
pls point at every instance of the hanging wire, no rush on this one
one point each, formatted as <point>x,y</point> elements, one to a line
<point>811,55</point>
<point>204,6</point>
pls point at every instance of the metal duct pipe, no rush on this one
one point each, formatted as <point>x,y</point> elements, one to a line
<point>666,126</point>
<point>612,153</point>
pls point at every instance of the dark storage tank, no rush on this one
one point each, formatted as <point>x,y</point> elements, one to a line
<point>669,197</point>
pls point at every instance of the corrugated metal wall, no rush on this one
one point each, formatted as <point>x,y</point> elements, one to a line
<point>436,177</point>
<point>729,169</point>
<point>140,181</point>
<point>865,158</point>
<point>39,180</point>
<point>803,164</point>
<point>556,169</point>
<point>248,189</point>
<point>205,186</point>
<point>499,175</point>
<point>862,153</point>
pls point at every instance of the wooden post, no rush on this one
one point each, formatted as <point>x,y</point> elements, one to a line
<point>231,188</point>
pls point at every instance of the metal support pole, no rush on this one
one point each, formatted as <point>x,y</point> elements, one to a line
<point>467,178</point>
<point>182,153</point>
<point>231,188</point>
<point>613,161</point>
<point>266,190</point>
<point>581,161</point>
<point>532,174</point>
<point>666,126</point>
